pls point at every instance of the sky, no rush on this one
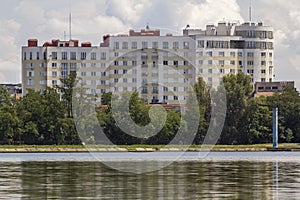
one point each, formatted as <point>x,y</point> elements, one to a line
<point>91,19</point>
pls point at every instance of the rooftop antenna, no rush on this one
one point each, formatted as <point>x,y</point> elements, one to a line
<point>70,25</point>
<point>250,11</point>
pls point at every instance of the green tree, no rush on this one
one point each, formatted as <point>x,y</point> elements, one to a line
<point>238,91</point>
<point>66,89</point>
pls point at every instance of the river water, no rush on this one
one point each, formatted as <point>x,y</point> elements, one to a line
<point>226,175</point>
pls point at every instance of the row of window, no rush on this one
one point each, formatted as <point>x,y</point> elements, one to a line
<point>231,54</point>
<point>231,62</point>
<point>146,45</point>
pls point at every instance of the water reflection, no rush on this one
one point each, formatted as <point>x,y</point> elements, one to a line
<point>181,180</point>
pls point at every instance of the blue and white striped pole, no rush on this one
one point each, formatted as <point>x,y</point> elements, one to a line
<point>275,127</point>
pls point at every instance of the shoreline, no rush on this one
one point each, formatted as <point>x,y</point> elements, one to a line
<point>86,150</point>
<point>144,148</point>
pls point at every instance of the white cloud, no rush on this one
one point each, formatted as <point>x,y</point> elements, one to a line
<point>91,19</point>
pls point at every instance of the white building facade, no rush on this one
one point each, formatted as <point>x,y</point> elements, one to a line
<point>161,68</point>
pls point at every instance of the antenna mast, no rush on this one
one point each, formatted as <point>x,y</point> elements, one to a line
<point>250,11</point>
<point>70,25</point>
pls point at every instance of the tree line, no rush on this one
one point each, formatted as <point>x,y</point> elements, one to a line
<point>47,118</point>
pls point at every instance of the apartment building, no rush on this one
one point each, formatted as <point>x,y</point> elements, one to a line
<point>229,48</point>
<point>162,68</point>
<point>159,67</point>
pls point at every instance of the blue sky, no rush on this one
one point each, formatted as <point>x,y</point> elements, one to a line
<point>46,20</point>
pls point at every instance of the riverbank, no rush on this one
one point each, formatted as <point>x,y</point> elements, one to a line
<point>142,148</point>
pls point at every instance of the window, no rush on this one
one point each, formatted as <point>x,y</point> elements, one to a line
<point>232,62</point>
<point>263,71</point>
<point>263,80</point>
<point>116,63</point>
<point>154,45</point>
<point>72,66</point>
<point>116,54</point>
<point>209,79</point>
<point>54,55</point>
<point>37,55</point>
<point>165,89</point>
<point>103,73</point>
<point>103,56</point>
<point>263,54</point>
<point>185,63</point>
<point>133,45</point>
<point>250,63</point>
<point>200,62</point>
<point>125,63</point>
<point>116,45</point>
<point>209,53</point>
<point>209,62</point>
<point>222,71</point>
<point>240,54</point>
<point>263,63</point>
<point>186,45</point>
<point>165,45</point>
<point>124,45</point>
<point>175,62</point>
<point>144,45</point>
<point>134,80</point>
<point>116,71</point>
<point>175,45</point>
<point>54,82</point>
<point>83,55</point>
<point>232,71</point>
<point>93,65</point>
<point>54,65</point>
<point>165,98</point>
<point>210,71</point>
<point>93,56</point>
<point>116,80</point>
<point>64,66</point>
<point>30,74</point>
<point>73,55</point>
<point>124,71</point>
<point>250,54</point>
<point>124,80</point>
<point>270,54</point>
<point>200,43</point>
<point>102,82</point>
<point>134,71</point>
<point>93,73</point>
<point>25,56</point>
<point>186,71</point>
<point>83,65</point>
<point>30,55</point>
<point>200,71</point>
<point>54,74</point>
<point>200,53</point>
<point>64,55</point>
<point>232,54</point>
<point>43,74</point>
<point>221,62</point>
<point>165,62</point>
<point>83,73</point>
<point>175,97</point>
<point>250,71</point>
<point>222,54</point>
